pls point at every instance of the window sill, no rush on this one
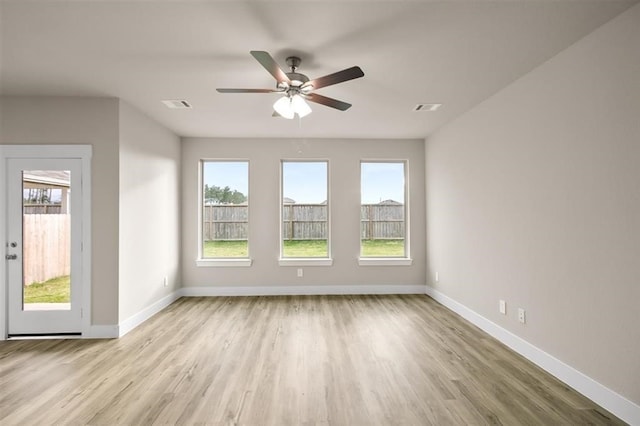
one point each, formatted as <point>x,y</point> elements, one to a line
<point>305,261</point>
<point>224,263</point>
<point>385,261</point>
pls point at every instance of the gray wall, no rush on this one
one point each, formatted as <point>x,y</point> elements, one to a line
<point>149,214</point>
<point>135,194</point>
<point>344,175</point>
<point>66,120</point>
<point>533,198</point>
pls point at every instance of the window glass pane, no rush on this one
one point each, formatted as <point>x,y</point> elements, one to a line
<point>382,209</point>
<point>225,209</point>
<point>304,209</point>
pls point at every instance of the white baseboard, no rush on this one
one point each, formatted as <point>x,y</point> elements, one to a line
<point>137,319</point>
<point>601,395</point>
<point>302,290</point>
<point>101,332</point>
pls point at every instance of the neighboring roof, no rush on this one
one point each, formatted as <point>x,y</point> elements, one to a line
<point>58,178</point>
<point>287,200</point>
<point>389,203</point>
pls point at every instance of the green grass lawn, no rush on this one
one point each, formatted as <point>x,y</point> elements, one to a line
<point>304,248</point>
<point>55,290</point>
<point>382,248</point>
<point>225,249</point>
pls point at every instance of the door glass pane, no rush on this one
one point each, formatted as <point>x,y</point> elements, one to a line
<point>46,240</point>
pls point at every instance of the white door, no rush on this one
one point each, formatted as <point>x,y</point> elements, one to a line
<point>44,245</point>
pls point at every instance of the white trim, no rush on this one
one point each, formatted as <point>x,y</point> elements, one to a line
<point>384,261</point>
<point>137,319</point>
<point>84,153</point>
<point>231,262</point>
<point>101,332</point>
<point>407,200</point>
<point>301,290</point>
<point>200,189</point>
<point>4,308</point>
<point>305,261</point>
<point>286,261</point>
<point>600,394</point>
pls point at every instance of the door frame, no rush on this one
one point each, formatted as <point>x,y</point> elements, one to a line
<point>83,153</point>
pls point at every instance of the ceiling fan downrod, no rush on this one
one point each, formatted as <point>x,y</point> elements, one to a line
<point>293,62</point>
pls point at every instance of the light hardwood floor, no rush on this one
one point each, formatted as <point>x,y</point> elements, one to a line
<point>287,360</point>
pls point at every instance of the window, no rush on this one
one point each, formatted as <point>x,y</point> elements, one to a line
<point>383,210</point>
<point>304,210</point>
<point>225,210</point>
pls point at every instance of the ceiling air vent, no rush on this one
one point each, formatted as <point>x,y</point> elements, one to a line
<point>427,107</point>
<point>177,104</point>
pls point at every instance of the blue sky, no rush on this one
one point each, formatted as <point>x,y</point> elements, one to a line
<point>233,174</point>
<point>306,182</point>
<point>382,181</point>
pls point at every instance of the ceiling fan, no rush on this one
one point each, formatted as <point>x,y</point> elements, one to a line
<point>297,87</point>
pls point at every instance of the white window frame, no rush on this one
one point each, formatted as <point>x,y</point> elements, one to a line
<point>391,260</point>
<point>221,261</point>
<point>304,261</point>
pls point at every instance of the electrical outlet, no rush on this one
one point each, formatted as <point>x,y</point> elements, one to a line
<point>437,277</point>
<point>521,316</point>
<point>503,307</point>
<point>300,273</point>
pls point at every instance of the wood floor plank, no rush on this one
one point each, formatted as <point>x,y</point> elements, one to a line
<point>287,360</point>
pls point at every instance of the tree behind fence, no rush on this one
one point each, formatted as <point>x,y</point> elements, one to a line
<point>303,222</point>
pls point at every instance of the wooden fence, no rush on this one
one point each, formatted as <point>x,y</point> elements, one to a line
<point>46,246</point>
<point>381,221</point>
<point>303,222</point>
<point>225,222</point>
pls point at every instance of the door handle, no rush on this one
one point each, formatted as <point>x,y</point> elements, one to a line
<point>11,256</point>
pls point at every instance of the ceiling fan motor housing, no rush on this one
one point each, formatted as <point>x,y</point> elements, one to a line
<point>296,78</point>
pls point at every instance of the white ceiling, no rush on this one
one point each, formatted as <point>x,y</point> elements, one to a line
<point>453,52</point>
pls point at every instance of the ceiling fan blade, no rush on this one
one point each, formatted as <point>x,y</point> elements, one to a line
<point>270,65</point>
<point>335,78</point>
<point>246,90</point>
<point>330,102</point>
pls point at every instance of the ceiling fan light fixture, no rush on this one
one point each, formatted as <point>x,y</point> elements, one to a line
<point>300,106</point>
<point>290,105</point>
<point>284,108</point>
<point>306,89</point>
